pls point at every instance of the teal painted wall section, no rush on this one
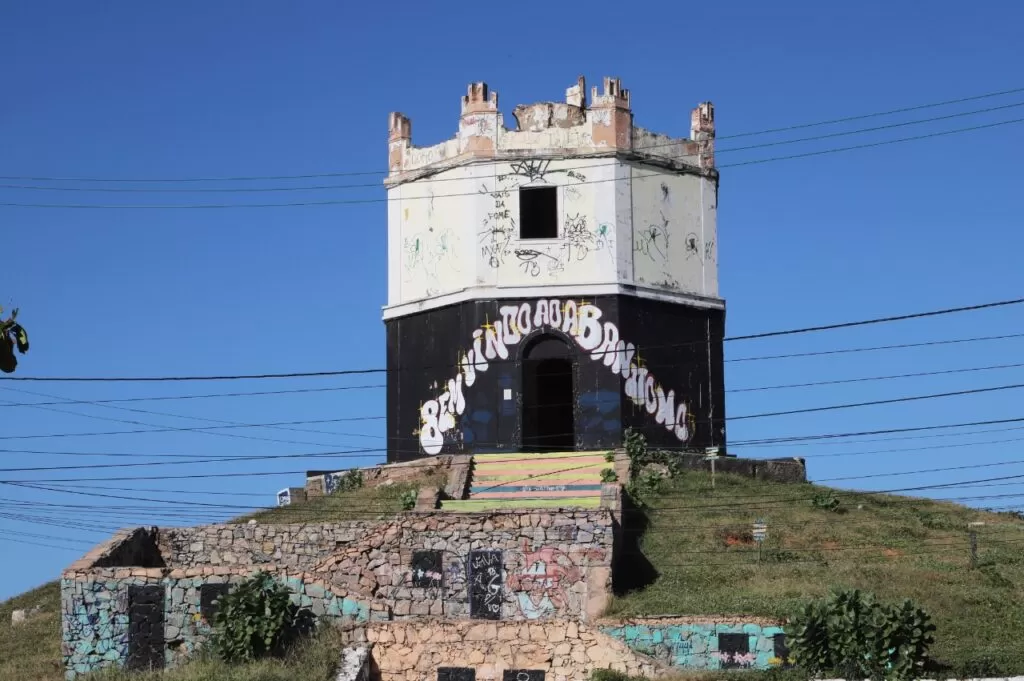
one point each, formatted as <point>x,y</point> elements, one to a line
<point>695,645</point>
<point>94,617</point>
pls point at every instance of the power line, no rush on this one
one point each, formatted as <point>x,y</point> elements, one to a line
<point>868,145</point>
<point>192,428</point>
<point>374,185</point>
<point>180,416</point>
<point>755,336</point>
<point>840,381</point>
<point>874,348</point>
<point>895,400</point>
<point>878,114</point>
<point>805,410</point>
<point>878,320</point>
<point>308,176</point>
<point>256,393</point>
<point>162,398</point>
<point>387,199</point>
<point>888,126</point>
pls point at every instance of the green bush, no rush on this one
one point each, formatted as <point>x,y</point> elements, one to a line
<point>348,481</point>
<point>609,475</point>
<point>827,501</point>
<point>255,619</point>
<point>852,635</point>
<point>409,498</point>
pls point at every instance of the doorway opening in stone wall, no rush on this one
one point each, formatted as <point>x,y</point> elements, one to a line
<point>548,397</point>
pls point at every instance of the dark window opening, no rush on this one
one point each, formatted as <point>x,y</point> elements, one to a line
<point>730,646</point>
<point>456,674</point>
<point>781,649</point>
<point>548,405</point>
<point>208,597</point>
<point>426,568</point>
<point>538,213</point>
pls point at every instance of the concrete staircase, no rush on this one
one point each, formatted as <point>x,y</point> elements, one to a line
<point>551,480</point>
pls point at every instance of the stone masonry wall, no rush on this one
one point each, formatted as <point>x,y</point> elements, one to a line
<point>703,643</point>
<point>554,650</point>
<point>546,564</point>
<point>497,567</point>
<point>97,619</point>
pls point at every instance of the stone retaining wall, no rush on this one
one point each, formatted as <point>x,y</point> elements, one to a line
<point>101,623</point>
<point>498,567</point>
<point>554,650</point>
<point>422,564</point>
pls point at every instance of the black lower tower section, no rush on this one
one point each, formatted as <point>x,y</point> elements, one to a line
<point>554,375</point>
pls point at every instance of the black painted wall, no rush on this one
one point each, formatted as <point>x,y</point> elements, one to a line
<point>679,345</point>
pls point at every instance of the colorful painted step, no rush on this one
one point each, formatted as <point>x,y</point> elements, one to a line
<point>553,480</point>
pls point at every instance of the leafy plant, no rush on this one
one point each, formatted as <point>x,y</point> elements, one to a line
<point>827,501</point>
<point>348,481</point>
<point>609,457</point>
<point>409,498</point>
<point>852,635</point>
<point>609,475</point>
<point>12,337</point>
<point>254,620</point>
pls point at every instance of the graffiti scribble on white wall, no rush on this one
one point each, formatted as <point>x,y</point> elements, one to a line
<point>582,322</point>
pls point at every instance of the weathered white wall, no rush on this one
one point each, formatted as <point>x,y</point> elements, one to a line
<point>675,241</point>
<point>618,224</point>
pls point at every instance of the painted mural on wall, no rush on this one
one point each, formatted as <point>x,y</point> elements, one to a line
<point>705,645</point>
<point>582,322</point>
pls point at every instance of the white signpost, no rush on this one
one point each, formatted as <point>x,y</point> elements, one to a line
<point>711,454</point>
<point>760,534</point>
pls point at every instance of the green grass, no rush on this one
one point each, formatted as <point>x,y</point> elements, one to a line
<point>30,651</point>
<point>699,543</point>
<point>365,503</point>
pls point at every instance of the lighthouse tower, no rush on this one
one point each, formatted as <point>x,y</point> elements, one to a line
<point>553,282</point>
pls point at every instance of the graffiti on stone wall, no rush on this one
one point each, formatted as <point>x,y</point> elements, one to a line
<point>538,581</point>
<point>427,571</point>
<point>582,322</point>
<point>698,645</point>
<point>486,584</point>
<point>523,675</point>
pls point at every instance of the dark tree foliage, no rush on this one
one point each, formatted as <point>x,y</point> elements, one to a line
<point>12,337</point>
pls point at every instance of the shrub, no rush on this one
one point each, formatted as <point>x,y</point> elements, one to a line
<point>409,498</point>
<point>254,620</point>
<point>609,475</point>
<point>852,635</point>
<point>827,501</point>
<point>348,481</point>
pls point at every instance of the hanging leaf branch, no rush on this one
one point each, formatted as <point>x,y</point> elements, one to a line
<point>12,336</point>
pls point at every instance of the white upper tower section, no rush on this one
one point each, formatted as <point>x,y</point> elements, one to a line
<point>573,201</point>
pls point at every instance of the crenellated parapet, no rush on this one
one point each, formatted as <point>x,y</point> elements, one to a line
<point>574,128</point>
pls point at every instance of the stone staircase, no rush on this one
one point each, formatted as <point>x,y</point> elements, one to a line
<point>550,480</point>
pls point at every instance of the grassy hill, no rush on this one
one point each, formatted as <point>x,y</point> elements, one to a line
<point>699,542</point>
<point>699,545</point>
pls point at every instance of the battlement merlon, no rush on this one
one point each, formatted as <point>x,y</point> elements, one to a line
<point>570,129</point>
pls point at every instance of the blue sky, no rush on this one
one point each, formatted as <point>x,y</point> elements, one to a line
<point>193,89</point>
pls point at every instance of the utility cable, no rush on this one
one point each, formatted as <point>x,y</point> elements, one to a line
<point>387,199</point>
<point>252,178</point>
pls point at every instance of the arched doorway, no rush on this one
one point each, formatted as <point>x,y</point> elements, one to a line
<point>548,397</point>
